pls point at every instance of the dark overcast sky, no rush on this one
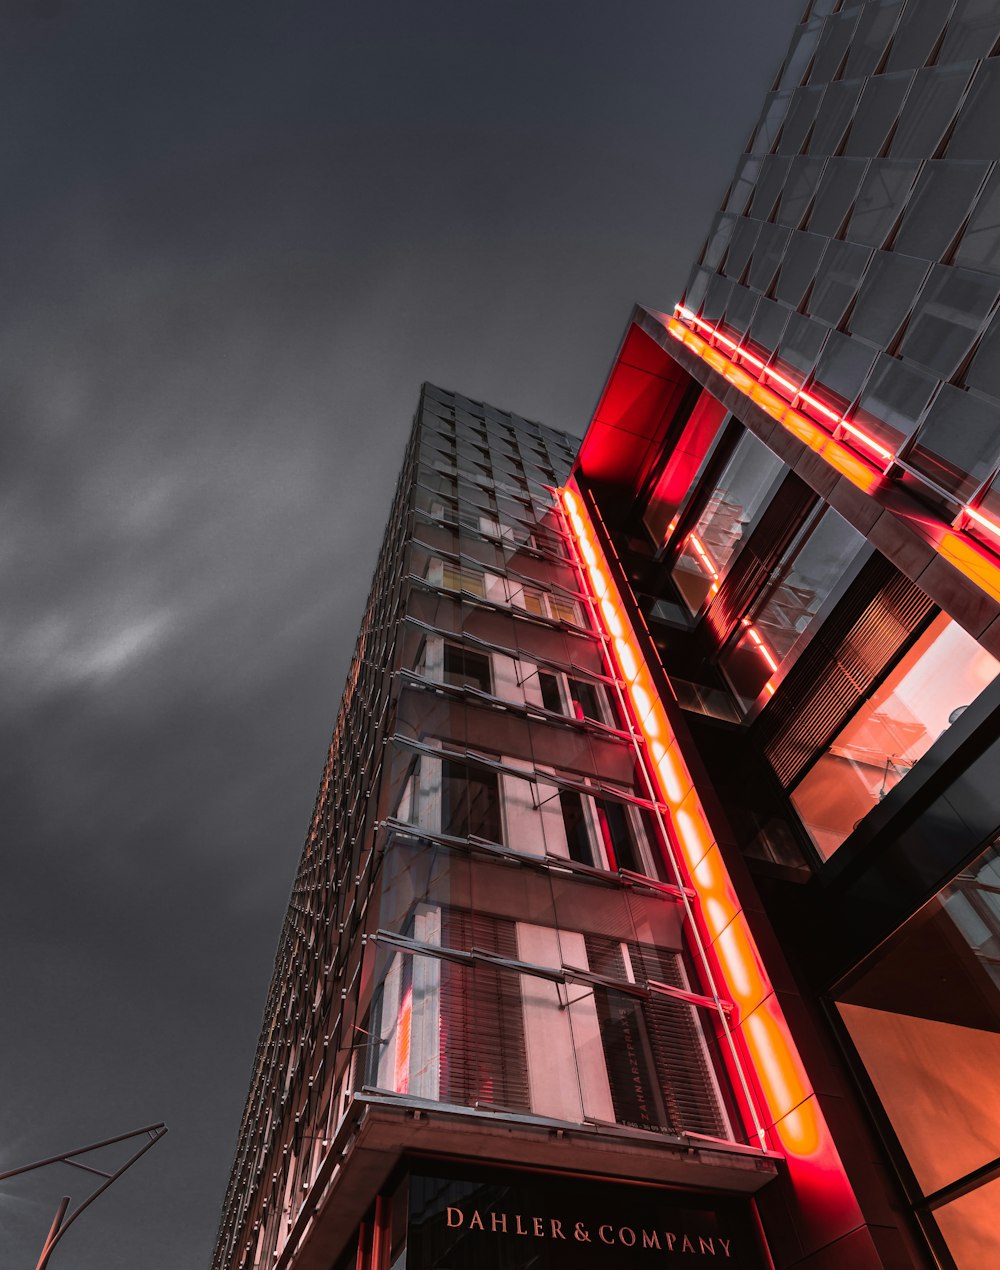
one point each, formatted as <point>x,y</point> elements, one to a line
<point>234,239</point>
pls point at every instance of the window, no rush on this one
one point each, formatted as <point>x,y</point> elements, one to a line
<point>551,696</point>
<point>941,673</point>
<point>470,802</point>
<point>589,700</point>
<point>771,635</point>
<point>723,525</point>
<point>923,1015</point>
<point>464,668</point>
<point>575,824</point>
<point>455,577</point>
<point>559,608</point>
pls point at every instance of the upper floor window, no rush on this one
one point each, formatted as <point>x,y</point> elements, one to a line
<point>465,668</point>
<point>456,577</point>
<point>927,690</point>
<point>724,523</point>
<point>770,635</point>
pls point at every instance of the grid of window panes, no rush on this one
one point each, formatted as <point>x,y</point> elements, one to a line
<point>858,247</point>
<point>483,916</point>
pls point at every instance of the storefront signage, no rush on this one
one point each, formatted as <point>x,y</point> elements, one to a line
<point>509,1221</point>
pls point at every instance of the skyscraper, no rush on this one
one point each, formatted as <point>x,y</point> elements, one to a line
<point>651,902</point>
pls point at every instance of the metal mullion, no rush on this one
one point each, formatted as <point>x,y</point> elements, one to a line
<point>522,709</point>
<point>545,864</point>
<point>592,789</point>
<point>464,637</point>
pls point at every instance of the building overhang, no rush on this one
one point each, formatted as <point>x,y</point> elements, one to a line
<point>659,362</point>
<point>380,1131</point>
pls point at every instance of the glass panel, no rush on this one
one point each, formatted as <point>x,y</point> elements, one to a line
<point>743,186</point>
<point>893,401</point>
<point>697,289</point>
<point>717,297</point>
<point>924,1016</point>
<point>837,280</point>
<point>887,294</point>
<point>972,31</point>
<point>842,370</point>
<point>744,238</point>
<point>975,133</point>
<point>940,203</point>
<point>949,314</point>
<point>805,103</point>
<point>871,37</point>
<point>798,266</point>
<point>465,668</point>
<point>984,373</point>
<point>877,111</point>
<point>833,46</point>
<point>740,310</point>
<point>958,443</point>
<point>723,525</point>
<point>718,241</point>
<point>979,246</point>
<point>767,130</point>
<point>883,192</point>
<point>969,1226</point>
<point>800,346</point>
<point>917,33</point>
<point>837,191</point>
<point>803,176</point>
<point>929,688</point>
<point>767,255</point>
<point>800,54</point>
<point>775,630</point>
<point>768,323</point>
<point>772,181</point>
<point>928,110</point>
<point>834,115</point>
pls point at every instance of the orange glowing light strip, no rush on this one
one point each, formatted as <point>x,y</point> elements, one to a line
<point>793,1112</point>
<point>795,394</point>
<point>859,470</point>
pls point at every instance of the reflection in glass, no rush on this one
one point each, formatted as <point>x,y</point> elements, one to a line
<point>886,296</point>
<point>975,133</point>
<point>772,634</point>
<point>943,671</point>
<point>880,200</point>
<point>727,516</point>
<point>924,1017</point>
<point>893,401</point>
<point>948,315</point>
<point>958,443</point>
<point>938,206</point>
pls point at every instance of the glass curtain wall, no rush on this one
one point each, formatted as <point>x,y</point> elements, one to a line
<point>923,1015</point>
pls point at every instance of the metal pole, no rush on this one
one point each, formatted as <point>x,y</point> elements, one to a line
<point>49,1244</point>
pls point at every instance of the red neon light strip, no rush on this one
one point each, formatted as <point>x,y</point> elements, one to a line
<point>826,443</point>
<point>788,1103</point>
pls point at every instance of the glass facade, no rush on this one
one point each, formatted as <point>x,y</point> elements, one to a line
<point>867,198</point>
<point>923,1016</point>
<point>485,920</point>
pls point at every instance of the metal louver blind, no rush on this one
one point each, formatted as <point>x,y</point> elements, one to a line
<point>483,1057</point>
<point>879,615</point>
<point>654,1050</point>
